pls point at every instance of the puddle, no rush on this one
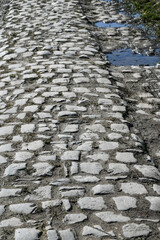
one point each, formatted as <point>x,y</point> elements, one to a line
<point>111,25</point>
<point>125,57</point>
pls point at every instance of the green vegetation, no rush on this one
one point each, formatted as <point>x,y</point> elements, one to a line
<point>149,11</point>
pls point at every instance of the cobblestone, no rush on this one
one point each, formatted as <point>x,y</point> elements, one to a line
<point>78,136</point>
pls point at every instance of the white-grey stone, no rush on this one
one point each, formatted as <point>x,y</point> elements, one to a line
<point>119,128</point>
<point>66,234</point>
<point>32,108</point>
<point>86,179</point>
<point>89,136</point>
<point>133,188</point>
<point>112,217</point>
<point>119,108</point>
<point>42,169</point>
<point>14,168</point>
<point>81,90</point>
<point>105,102</point>
<point>35,145</point>
<point>148,171</point>
<point>91,203</point>
<point>2,160</point>
<point>9,192</point>
<point>52,235</point>
<point>75,108</point>
<point>6,148</point>
<point>74,168</point>
<point>6,130</point>
<point>2,209</point>
<point>20,102</point>
<point>70,156</point>
<point>73,193</point>
<point>11,222</point>
<point>156,188</point>
<point>86,146</point>
<point>103,90</point>
<point>46,157</point>
<point>51,203</point>
<point>126,157</point>
<point>30,76</point>
<point>27,128</point>
<point>114,136</point>
<point>116,168</point>
<point>27,234</point>
<point>71,128</point>
<point>144,105</point>
<point>106,146</point>
<point>155,203</point>
<point>96,128</point>
<point>103,189</point>
<point>22,156</point>
<point>125,202</point>
<point>40,193</point>
<point>99,156</point>
<point>87,230</point>
<point>10,56</point>
<point>22,208</point>
<point>66,114</point>
<point>74,218</point>
<point>66,204</point>
<point>92,168</point>
<point>38,100</point>
<point>135,230</point>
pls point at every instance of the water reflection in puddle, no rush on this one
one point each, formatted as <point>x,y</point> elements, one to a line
<point>125,57</point>
<point>111,25</point>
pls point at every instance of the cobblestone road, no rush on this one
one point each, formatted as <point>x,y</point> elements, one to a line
<point>75,162</point>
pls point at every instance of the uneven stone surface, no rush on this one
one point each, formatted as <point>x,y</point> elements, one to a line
<point>79,149</point>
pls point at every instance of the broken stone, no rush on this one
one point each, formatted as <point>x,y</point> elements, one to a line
<point>155,203</point>
<point>14,168</point>
<point>43,169</point>
<point>148,171</point>
<point>112,217</point>
<point>22,208</point>
<point>74,218</point>
<point>66,234</point>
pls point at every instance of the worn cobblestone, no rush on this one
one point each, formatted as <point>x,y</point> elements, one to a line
<point>75,161</point>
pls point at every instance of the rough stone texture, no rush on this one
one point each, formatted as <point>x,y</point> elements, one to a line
<point>27,234</point>
<point>92,203</point>
<point>79,136</point>
<point>112,217</point>
<point>125,157</point>
<point>124,202</point>
<point>93,168</point>
<point>66,234</point>
<point>135,230</point>
<point>74,218</point>
<point>133,188</point>
<point>103,189</point>
<point>155,203</point>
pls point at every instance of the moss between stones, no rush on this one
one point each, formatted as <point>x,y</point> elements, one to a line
<point>150,12</point>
